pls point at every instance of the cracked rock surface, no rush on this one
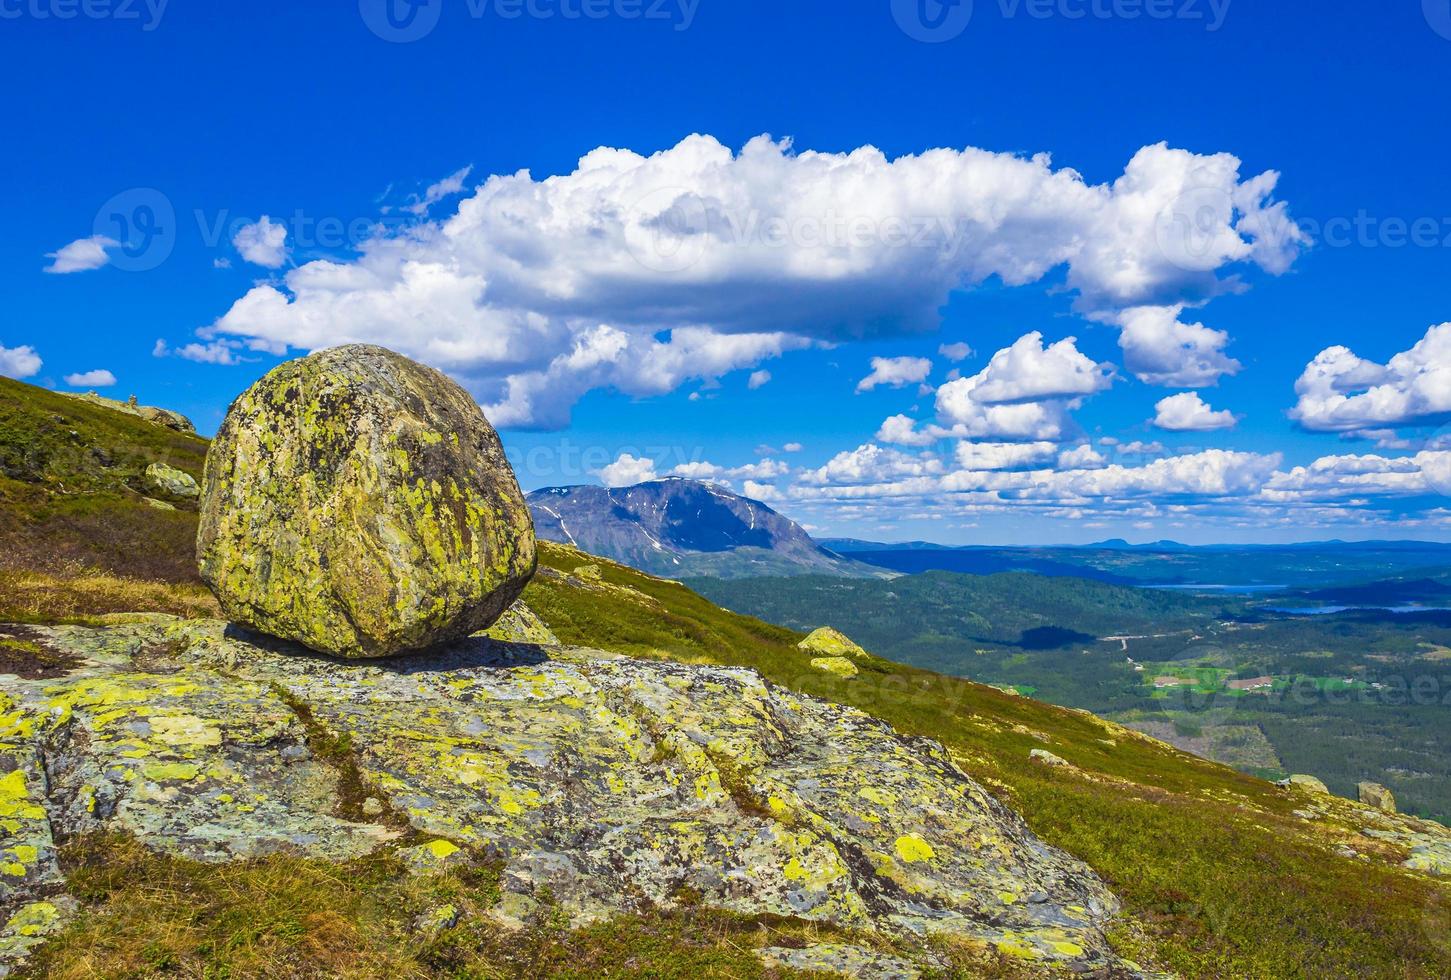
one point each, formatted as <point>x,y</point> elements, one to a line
<point>613,783</point>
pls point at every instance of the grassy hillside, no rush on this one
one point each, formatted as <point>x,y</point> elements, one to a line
<point>76,532</point>
<point>1219,876</point>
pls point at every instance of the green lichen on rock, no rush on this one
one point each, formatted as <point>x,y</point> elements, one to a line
<point>520,624</point>
<point>597,784</point>
<point>170,484</point>
<point>360,504</point>
<point>827,642</point>
<point>840,666</point>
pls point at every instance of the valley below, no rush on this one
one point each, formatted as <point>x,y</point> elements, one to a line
<point>1352,691</point>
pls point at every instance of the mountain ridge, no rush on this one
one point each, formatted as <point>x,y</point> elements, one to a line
<point>678,527</point>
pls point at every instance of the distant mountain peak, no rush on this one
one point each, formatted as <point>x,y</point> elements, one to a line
<point>680,527</point>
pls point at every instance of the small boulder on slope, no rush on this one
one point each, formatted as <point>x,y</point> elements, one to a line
<point>827,642</point>
<point>360,504</point>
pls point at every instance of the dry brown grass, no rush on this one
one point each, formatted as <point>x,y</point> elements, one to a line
<point>78,594</point>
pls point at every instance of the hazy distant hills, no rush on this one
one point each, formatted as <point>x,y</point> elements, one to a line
<point>679,528</point>
<point>1167,563</point>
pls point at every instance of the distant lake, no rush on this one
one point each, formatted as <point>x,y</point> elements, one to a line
<point>1332,610</point>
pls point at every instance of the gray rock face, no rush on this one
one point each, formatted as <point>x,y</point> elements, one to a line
<point>678,528</point>
<point>360,504</point>
<point>168,483</point>
<point>601,779</point>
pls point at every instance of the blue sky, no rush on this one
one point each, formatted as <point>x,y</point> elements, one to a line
<point>632,302</point>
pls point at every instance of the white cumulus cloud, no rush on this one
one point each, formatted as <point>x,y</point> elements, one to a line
<point>1341,392</point>
<point>627,470</point>
<point>613,276</point>
<point>19,362</point>
<point>895,372</point>
<point>81,255</point>
<point>99,378</point>
<point>758,379</point>
<point>1003,455</point>
<point>262,243</point>
<point>1187,412</point>
<point>1160,349</point>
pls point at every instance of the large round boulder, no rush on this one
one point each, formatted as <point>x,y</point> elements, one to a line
<point>360,504</point>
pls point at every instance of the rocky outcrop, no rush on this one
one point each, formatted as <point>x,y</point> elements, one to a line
<point>167,483</point>
<point>828,642</point>
<point>1311,784</point>
<point>360,504</point>
<point>1376,795</point>
<point>157,416</point>
<point>603,783</point>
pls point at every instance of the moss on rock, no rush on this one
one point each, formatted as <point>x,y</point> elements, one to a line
<point>360,504</point>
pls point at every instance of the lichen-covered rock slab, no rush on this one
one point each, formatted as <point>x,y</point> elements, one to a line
<point>360,504</point>
<point>603,784</point>
<point>170,484</point>
<point>828,642</point>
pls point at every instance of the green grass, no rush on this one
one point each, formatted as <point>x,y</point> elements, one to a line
<point>283,916</point>
<point>70,481</point>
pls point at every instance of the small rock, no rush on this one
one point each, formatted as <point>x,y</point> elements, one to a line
<point>1376,795</point>
<point>1310,783</point>
<point>827,642</point>
<point>521,625</point>
<point>170,483</point>
<point>372,807</point>
<point>840,666</point>
<point>437,920</point>
<point>1046,758</point>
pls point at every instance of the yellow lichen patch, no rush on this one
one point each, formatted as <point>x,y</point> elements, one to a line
<point>161,772</point>
<point>184,731</point>
<point>840,666</point>
<point>33,919</point>
<point>15,798</point>
<point>442,849</point>
<point>1067,949</point>
<point>912,848</point>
